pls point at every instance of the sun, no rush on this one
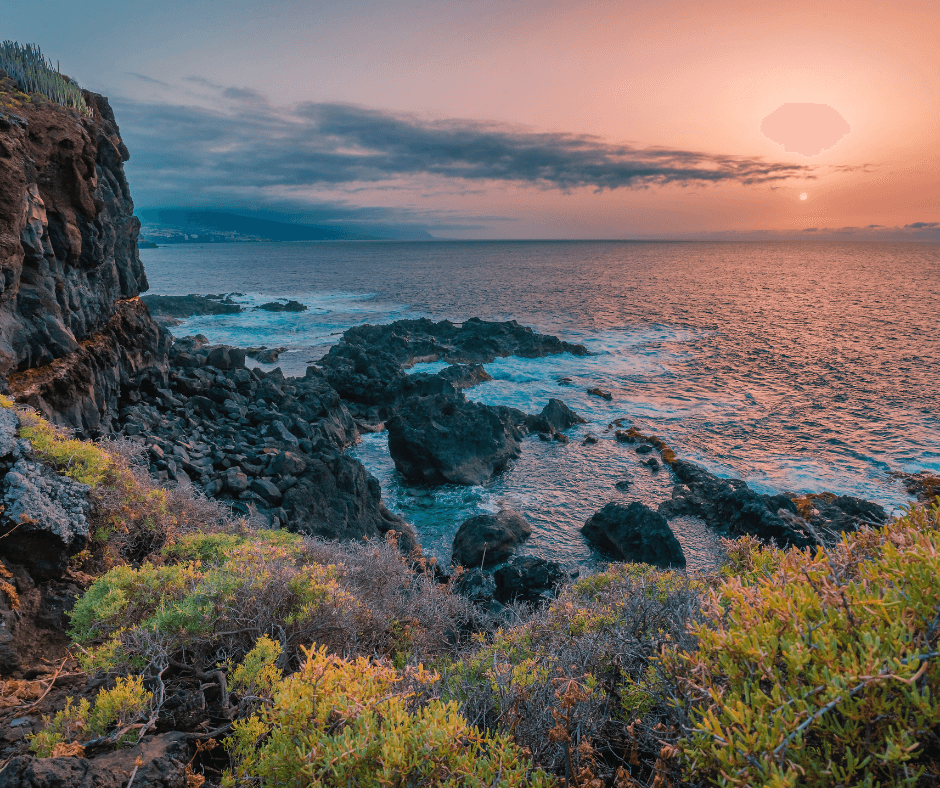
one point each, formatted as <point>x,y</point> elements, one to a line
<point>803,196</point>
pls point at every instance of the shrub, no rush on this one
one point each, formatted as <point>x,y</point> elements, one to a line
<point>132,518</point>
<point>27,66</point>
<point>118,709</point>
<point>339,723</point>
<point>819,668</point>
<point>589,658</point>
<point>213,595</point>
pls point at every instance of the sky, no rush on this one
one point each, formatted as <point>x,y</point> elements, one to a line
<point>521,118</point>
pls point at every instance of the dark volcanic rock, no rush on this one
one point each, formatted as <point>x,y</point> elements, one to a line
<point>478,586</point>
<point>68,234</point>
<point>445,438</point>
<point>730,505</point>
<point>277,306</point>
<point>528,579</point>
<point>474,341</point>
<point>363,375</point>
<point>601,393</point>
<point>70,268</point>
<point>555,417</point>
<point>190,305</point>
<point>634,533</point>
<point>336,498</point>
<point>44,520</point>
<point>489,539</point>
<point>463,376</point>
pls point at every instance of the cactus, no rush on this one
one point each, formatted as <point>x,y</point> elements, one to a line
<point>33,73</point>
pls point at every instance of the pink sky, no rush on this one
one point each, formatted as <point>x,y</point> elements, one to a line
<point>693,76</point>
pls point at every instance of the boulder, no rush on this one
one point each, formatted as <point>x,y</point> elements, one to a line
<point>489,539</point>
<point>476,585</point>
<point>555,417</point>
<point>364,375</point>
<point>528,579</point>
<point>445,438</point>
<point>634,533</point>
<point>45,518</point>
<point>463,376</point>
<point>596,392</point>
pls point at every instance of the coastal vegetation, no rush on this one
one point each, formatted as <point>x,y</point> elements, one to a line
<point>353,663</point>
<point>34,74</point>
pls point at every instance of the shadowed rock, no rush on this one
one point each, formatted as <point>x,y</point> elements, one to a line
<point>634,533</point>
<point>45,518</point>
<point>474,341</point>
<point>528,579</point>
<point>489,539</point>
<point>555,417</point>
<point>445,438</point>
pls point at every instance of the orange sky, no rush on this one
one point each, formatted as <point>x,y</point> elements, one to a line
<point>686,75</point>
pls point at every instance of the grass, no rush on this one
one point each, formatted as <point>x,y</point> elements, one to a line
<point>34,73</point>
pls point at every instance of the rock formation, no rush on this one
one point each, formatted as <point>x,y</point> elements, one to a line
<point>73,333</point>
<point>488,539</point>
<point>634,533</point>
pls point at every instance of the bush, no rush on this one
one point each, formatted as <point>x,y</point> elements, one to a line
<point>340,723</point>
<point>27,66</point>
<point>820,668</point>
<point>582,675</point>
<point>214,595</point>
<point>118,708</point>
<point>132,518</point>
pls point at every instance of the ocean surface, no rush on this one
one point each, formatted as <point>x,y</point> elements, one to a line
<point>798,367</point>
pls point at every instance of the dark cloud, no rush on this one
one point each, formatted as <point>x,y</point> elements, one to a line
<point>248,148</point>
<point>921,226</point>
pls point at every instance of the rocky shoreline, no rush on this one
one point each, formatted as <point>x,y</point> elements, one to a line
<point>274,448</point>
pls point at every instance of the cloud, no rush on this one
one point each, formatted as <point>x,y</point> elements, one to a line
<point>248,148</point>
<point>921,226</point>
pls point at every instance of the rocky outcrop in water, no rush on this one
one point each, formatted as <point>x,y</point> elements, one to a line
<point>489,539</point>
<point>171,310</point>
<point>730,506</point>
<point>70,269</point>
<point>634,533</point>
<point>442,437</point>
<point>474,341</point>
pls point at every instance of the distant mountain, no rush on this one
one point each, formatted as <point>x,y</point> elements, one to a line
<point>168,226</point>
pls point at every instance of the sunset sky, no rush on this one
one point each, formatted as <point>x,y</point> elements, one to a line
<point>516,118</point>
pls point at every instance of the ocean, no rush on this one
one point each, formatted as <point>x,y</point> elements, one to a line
<point>796,366</point>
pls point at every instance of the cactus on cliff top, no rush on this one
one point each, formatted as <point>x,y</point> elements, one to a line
<point>30,69</point>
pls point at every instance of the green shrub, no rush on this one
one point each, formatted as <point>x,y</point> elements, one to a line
<point>820,668</point>
<point>27,66</point>
<point>251,587</point>
<point>339,723</point>
<point>118,709</point>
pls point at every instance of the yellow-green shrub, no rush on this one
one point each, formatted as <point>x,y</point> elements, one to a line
<point>131,517</point>
<point>340,723</point>
<point>252,587</point>
<point>117,709</point>
<point>820,668</point>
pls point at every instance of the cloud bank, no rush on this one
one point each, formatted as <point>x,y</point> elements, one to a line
<point>248,148</point>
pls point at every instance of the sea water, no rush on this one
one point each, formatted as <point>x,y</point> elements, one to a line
<point>798,367</point>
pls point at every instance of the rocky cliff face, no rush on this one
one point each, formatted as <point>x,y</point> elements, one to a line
<point>72,329</point>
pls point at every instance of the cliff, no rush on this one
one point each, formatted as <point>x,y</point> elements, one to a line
<point>73,332</point>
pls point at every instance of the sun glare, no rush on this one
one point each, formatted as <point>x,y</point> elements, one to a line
<point>803,196</point>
